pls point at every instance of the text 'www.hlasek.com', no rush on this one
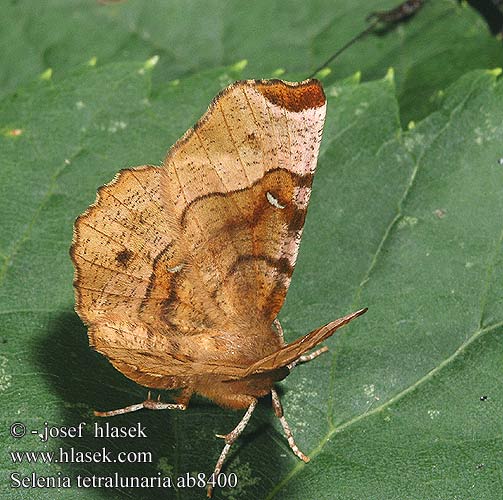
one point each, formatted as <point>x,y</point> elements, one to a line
<point>24,461</point>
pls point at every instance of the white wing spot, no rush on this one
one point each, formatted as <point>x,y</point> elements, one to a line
<point>273,201</point>
<point>176,269</point>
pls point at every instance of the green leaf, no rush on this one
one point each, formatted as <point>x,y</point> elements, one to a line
<point>444,40</point>
<point>187,35</point>
<point>410,225</point>
<point>430,51</point>
<point>406,223</point>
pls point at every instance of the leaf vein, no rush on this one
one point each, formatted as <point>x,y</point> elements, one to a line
<point>411,388</point>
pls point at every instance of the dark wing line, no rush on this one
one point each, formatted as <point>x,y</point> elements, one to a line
<point>262,154</point>
<point>216,171</point>
<point>293,351</point>
<point>197,266</point>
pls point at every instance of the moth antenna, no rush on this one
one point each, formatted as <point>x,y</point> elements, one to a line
<point>392,16</point>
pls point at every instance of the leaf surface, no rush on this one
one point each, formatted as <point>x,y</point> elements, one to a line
<point>406,223</point>
<point>429,52</point>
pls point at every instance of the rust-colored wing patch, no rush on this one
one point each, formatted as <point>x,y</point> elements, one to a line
<point>304,96</point>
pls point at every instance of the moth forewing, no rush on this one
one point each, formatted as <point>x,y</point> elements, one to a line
<point>177,265</point>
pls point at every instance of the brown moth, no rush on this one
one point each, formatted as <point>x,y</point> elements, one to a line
<point>181,270</point>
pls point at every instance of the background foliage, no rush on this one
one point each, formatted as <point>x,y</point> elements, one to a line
<point>404,219</point>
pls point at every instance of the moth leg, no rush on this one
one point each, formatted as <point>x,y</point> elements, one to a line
<point>279,329</point>
<point>229,440</point>
<point>307,357</point>
<point>149,403</point>
<point>184,397</point>
<point>278,410</point>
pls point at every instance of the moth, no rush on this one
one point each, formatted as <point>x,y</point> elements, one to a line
<point>181,269</point>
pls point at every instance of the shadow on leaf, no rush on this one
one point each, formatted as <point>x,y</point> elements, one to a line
<point>177,443</point>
